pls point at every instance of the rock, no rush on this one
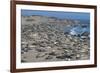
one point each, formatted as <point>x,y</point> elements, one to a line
<point>48,47</point>
<point>52,53</point>
<point>32,46</point>
<point>53,50</point>
<point>63,57</point>
<point>24,49</point>
<point>78,56</point>
<point>85,34</point>
<point>67,59</point>
<point>40,49</point>
<point>30,20</point>
<point>60,57</point>
<point>22,52</point>
<point>23,61</point>
<point>41,55</point>
<point>48,57</point>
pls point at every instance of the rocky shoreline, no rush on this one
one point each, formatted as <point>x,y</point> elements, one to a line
<point>44,39</point>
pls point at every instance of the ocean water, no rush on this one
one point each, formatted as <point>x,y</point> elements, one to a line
<point>57,14</point>
<point>77,29</point>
